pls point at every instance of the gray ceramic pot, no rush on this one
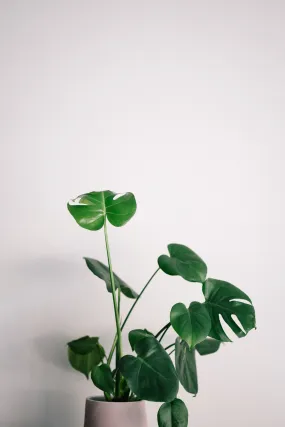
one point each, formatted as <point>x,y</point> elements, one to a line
<point>99,413</point>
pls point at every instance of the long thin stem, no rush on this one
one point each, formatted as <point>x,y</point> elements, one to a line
<point>128,315</point>
<point>118,355</point>
<point>169,354</point>
<point>112,350</point>
<point>169,346</point>
<point>119,302</point>
<point>162,330</point>
<point>137,299</point>
<point>116,310</point>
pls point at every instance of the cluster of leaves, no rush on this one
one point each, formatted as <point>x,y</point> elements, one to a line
<point>150,374</point>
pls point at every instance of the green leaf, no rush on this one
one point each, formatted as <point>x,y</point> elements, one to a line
<point>192,324</point>
<point>208,346</point>
<point>90,210</point>
<point>138,334</point>
<point>173,414</point>
<point>151,375</point>
<point>185,363</point>
<point>183,262</point>
<point>221,300</point>
<point>102,271</point>
<point>85,353</point>
<point>102,378</point>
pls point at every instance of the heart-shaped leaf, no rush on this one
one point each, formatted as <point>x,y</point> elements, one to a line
<point>85,353</point>
<point>102,271</point>
<point>151,375</point>
<point>183,262</point>
<point>173,414</point>
<point>138,334</point>
<point>102,378</point>
<point>208,346</point>
<point>192,324</point>
<point>185,363</point>
<point>221,300</point>
<point>90,210</point>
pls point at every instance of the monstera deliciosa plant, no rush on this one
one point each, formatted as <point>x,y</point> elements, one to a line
<point>149,372</point>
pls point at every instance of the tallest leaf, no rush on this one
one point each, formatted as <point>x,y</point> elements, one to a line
<point>90,210</point>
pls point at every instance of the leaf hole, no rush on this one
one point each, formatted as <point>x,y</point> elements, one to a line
<point>227,330</point>
<point>76,201</point>
<point>117,196</point>
<point>236,320</point>
<point>240,300</point>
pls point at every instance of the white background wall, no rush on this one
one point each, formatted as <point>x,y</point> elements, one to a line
<point>181,102</point>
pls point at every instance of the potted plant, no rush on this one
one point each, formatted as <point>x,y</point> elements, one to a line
<point>149,374</point>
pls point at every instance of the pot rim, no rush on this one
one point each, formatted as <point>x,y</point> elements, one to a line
<point>102,399</point>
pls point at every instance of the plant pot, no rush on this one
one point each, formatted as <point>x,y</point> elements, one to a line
<point>100,413</point>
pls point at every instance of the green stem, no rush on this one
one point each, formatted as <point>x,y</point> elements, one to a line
<point>163,331</point>
<point>112,350</point>
<point>118,356</point>
<point>169,346</point>
<point>128,315</point>
<point>138,297</point>
<point>119,302</point>
<point>162,335</point>
<point>116,309</point>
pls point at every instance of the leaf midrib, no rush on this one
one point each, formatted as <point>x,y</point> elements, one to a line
<point>150,367</point>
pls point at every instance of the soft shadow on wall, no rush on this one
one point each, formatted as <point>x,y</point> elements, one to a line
<point>46,391</point>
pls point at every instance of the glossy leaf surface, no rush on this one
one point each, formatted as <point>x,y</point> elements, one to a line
<point>185,363</point>
<point>208,346</point>
<point>90,210</point>
<point>192,324</point>
<point>102,271</point>
<point>85,353</point>
<point>151,375</point>
<point>221,300</point>
<point>173,414</point>
<point>183,262</point>
<point>136,335</point>
<point>102,378</point>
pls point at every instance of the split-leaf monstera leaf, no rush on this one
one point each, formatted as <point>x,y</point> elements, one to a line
<point>90,210</point>
<point>183,262</point>
<point>223,298</point>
